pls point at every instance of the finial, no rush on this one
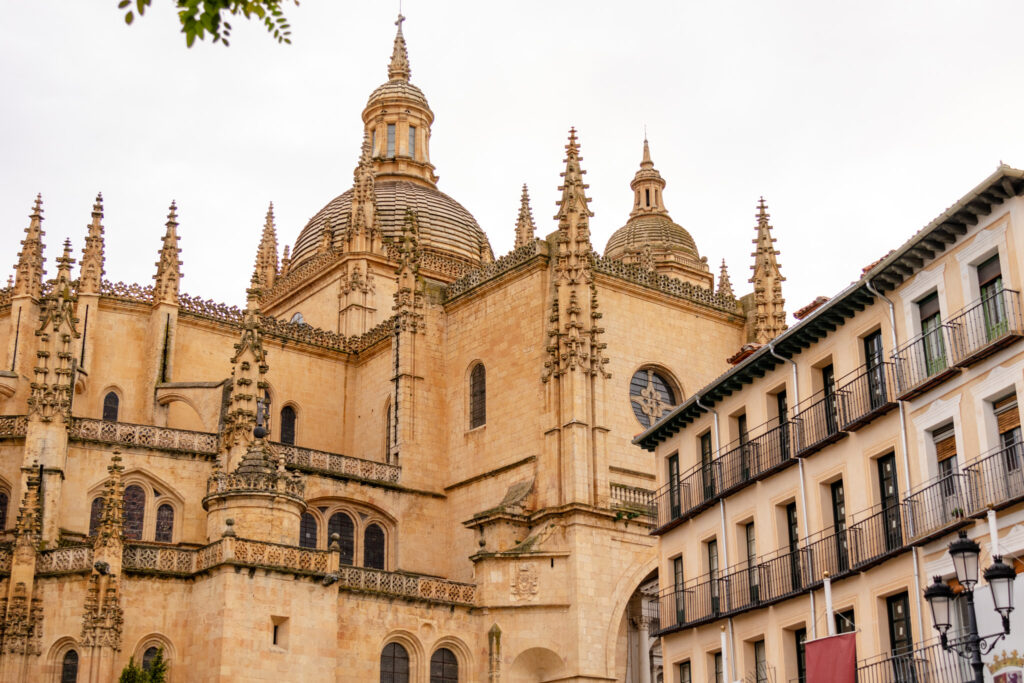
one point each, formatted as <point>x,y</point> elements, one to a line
<point>66,257</point>
<point>572,147</point>
<point>524,225</point>
<point>37,209</point>
<point>398,69</point>
<point>762,210</point>
<point>97,207</point>
<point>646,162</point>
<point>172,213</point>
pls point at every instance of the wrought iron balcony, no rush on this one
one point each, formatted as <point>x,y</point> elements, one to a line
<point>986,326</point>
<point>744,463</point>
<point>923,362</point>
<point>926,662</point>
<point>996,479</point>
<point>818,422</point>
<point>869,394</point>
<point>937,507</point>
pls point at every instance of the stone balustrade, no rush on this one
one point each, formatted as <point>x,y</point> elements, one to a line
<point>255,482</point>
<point>143,436</point>
<point>335,463</point>
<point>161,559</point>
<point>258,554</point>
<point>13,426</point>
<point>67,560</point>
<point>407,585</point>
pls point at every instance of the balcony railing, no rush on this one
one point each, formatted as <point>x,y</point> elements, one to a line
<point>818,423</point>
<point>741,465</point>
<point>927,662</point>
<point>632,499</point>
<point>870,537</point>
<point>335,463</point>
<point>871,393</point>
<point>996,479</point>
<point>938,507</point>
<point>986,326</point>
<point>923,362</point>
<point>143,436</point>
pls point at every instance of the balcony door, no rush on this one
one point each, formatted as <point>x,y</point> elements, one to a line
<point>828,383</point>
<point>677,577</point>
<point>993,307</point>
<point>713,576</point>
<point>706,466</point>
<point>782,405</point>
<point>839,525</point>
<point>793,536</point>
<point>753,579</point>
<point>887,486</point>
<point>675,510</point>
<point>931,334</point>
<point>901,642</point>
<point>873,360</point>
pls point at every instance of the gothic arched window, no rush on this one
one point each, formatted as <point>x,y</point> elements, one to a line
<point>307,531</point>
<point>111,404</point>
<point>95,514</point>
<point>373,547</point>
<point>134,512</point>
<point>69,667</point>
<point>4,500</point>
<point>342,524</point>
<point>444,667</point>
<point>148,656</point>
<point>394,664</point>
<point>477,396</point>
<point>651,395</point>
<point>288,425</point>
<point>164,524</point>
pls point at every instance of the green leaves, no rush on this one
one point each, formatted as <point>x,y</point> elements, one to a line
<point>202,18</point>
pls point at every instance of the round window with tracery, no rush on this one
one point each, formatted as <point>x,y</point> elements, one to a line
<point>651,396</point>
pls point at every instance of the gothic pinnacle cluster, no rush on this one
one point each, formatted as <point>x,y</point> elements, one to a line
<point>168,268</point>
<point>768,312</point>
<point>525,228</point>
<point>54,370</point>
<point>28,275</point>
<point>364,232</point>
<point>266,254</point>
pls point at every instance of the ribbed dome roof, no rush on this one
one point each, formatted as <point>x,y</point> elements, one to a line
<point>656,230</point>
<point>445,225</point>
<point>398,88</point>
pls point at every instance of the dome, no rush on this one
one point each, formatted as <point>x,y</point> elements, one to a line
<point>656,230</point>
<point>404,90</point>
<point>446,227</point>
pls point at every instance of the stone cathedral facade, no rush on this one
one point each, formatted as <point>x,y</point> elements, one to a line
<point>404,460</point>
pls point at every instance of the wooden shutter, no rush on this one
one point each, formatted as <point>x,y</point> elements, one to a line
<point>1007,415</point>
<point>989,271</point>
<point>946,448</point>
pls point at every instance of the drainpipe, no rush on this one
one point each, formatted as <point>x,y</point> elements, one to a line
<point>906,451</point>
<point>731,659</point>
<point>800,467</point>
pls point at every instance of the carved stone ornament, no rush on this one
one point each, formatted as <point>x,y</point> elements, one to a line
<point>524,582</point>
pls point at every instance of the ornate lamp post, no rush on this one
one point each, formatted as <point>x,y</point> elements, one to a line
<point>999,576</point>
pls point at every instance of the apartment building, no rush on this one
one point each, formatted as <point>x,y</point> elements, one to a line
<point>858,444</point>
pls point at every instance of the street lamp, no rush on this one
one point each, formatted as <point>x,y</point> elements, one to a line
<point>999,576</point>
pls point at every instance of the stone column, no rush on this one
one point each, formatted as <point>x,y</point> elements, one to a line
<point>643,626</point>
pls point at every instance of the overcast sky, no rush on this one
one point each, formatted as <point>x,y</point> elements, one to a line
<point>859,122</point>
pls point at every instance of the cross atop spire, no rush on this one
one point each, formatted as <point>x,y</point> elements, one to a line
<point>398,69</point>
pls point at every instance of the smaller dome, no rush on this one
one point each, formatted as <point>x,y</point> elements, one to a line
<point>656,230</point>
<point>398,89</point>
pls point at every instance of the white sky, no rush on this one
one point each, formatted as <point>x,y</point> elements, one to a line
<point>859,122</point>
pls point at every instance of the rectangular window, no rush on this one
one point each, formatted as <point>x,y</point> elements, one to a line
<point>707,471</point>
<point>719,670</point>
<point>1008,425</point>
<point>373,143</point>
<point>993,306</point>
<point>760,663</point>
<point>800,638</point>
<point>782,408</point>
<point>873,359</point>
<point>889,489</point>
<point>674,503</point>
<point>839,525</point>
<point>684,673</point>
<point>845,622</point>
<point>793,538</point>
<point>713,574</point>
<point>945,455</point>
<point>412,141</point>
<point>931,333</point>
<point>828,385</point>
<point>678,595</point>
<point>391,140</point>
<point>898,612</point>
<point>753,578</point>
<point>744,437</point>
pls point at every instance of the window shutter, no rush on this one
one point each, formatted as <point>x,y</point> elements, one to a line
<point>928,306</point>
<point>946,448</point>
<point>1007,415</point>
<point>989,270</point>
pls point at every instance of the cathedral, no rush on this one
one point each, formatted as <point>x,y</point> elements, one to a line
<point>403,460</point>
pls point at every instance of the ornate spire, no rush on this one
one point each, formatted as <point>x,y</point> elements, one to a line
<point>648,187</point>
<point>525,228</point>
<point>409,295</point>
<point>54,371</point>
<point>398,68</point>
<point>110,530</point>
<point>248,373</point>
<point>286,261</point>
<point>326,237</point>
<point>364,233</point>
<point>769,313</point>
<point>574,334</point>
<point>91,273</point>
<point>266,255</point>
<point>30,519</point>
<point>28,279</point>
<point>725,284</point>
<point>168,268</point>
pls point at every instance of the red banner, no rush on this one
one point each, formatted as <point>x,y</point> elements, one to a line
<point>832,660</point>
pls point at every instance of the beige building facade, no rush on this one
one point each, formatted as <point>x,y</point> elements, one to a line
<point>403,460</point>
<point>856,444</point>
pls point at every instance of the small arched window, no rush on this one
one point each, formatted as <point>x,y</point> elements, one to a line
<point>164,523</point>
<point>477,396</point>
<point>69,667</point>
<point>149,656</point>
<point>288,425</point>
<point>373,547</point>
<point>444,667</point>
<point>342,524</point>
<point>134,512</point>
<point>651,396</point>
<point>394,664</point>
<point>307,531</point>
<point>95,514</point>
<point>4,500</point>
<point>111,404</point>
